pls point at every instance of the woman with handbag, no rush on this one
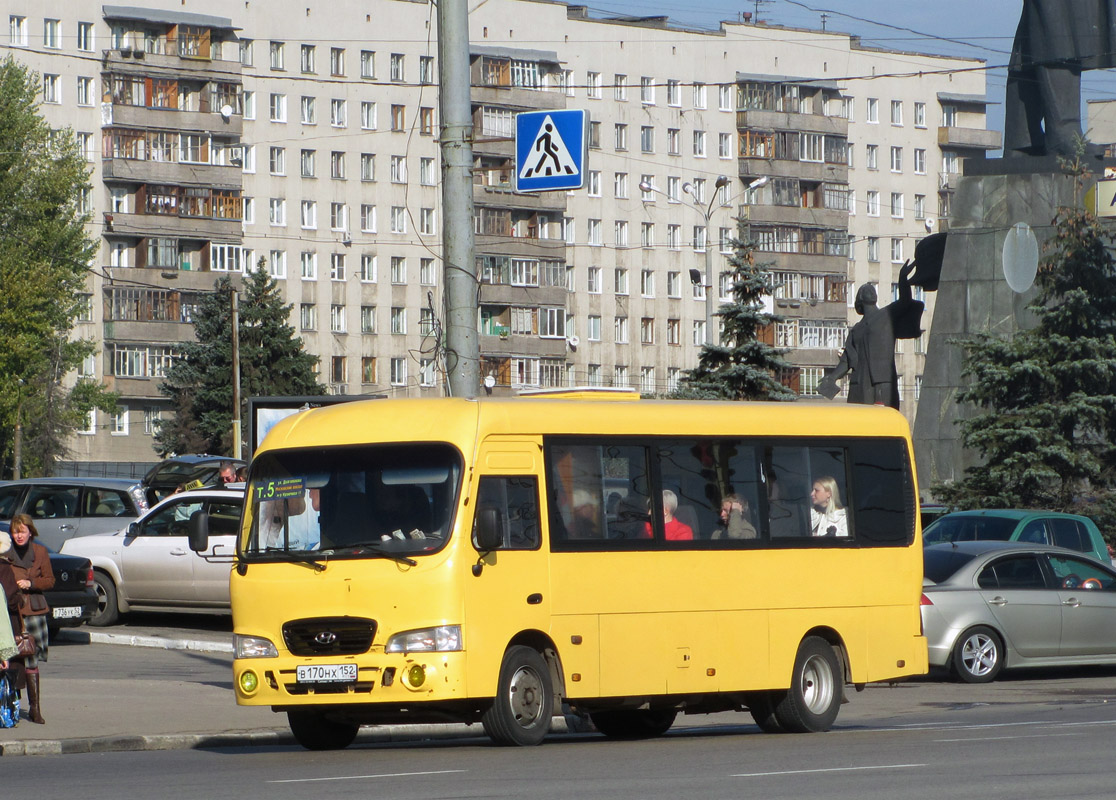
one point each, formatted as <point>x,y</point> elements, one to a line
<point>30,562</point>
<point>8,647</point>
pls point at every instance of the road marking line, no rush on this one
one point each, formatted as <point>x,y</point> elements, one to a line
<point>832,769</point>
<point>998,738</point>
<point>369,777</point>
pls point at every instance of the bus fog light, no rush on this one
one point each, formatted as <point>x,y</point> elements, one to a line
<point>415,676</point>
<point>249,682</point>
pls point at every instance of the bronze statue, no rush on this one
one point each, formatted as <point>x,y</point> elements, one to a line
<point>1056,40</point>
<point>869,352</point>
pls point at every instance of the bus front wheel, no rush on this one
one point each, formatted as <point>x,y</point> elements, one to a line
<point>313,731</point>
<point>639,723</point>
<point>814,697</point>
<point>520,713</point>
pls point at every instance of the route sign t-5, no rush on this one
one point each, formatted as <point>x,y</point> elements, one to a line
<point>550,150</point>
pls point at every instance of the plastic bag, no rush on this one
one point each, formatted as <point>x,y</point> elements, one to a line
<point>9,702</point>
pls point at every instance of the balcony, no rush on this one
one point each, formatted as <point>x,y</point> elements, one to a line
<point>783,121</point>
<point>504,294</point>
<point>168,172</point>
<point>817,172</point>
<point>522,345</point>
<point>968,138</point>
<point>516,97</point>
<point>159,65</point>
<point>199,228</point>
<point>129,116</point>
<point>797,215</point>
<point>503,196</point>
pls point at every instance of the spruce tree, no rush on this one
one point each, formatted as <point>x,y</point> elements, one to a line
<point>45,258</point>
<point>1047,429</point>
<point>742,367</point>
<point>200,385</point>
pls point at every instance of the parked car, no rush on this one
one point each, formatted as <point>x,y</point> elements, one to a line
<point>1016,525</point>
<point>73,600</point>
<point>150,564</point>
<point>200,470</point>
<point>929,512</point>
<point>987,606</point>
<point>65,507</point>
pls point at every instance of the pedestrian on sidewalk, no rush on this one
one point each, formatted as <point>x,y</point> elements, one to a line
<point>10,610</point>
<point>30,562</point>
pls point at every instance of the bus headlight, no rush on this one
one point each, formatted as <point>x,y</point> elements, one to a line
<point>443,639</point>
<point>253,647</point>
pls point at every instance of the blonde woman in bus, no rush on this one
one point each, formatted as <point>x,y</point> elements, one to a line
<point>827,515</point>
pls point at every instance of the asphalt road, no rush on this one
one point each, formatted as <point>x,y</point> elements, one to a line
<point>1034,734</point>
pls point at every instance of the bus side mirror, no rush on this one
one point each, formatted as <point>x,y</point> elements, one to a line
<point>488,530</point>
<point>199,531</point>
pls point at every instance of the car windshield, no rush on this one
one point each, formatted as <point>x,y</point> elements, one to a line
<point>940,565</point>
<point>965,528</point>
<point>369,501</point>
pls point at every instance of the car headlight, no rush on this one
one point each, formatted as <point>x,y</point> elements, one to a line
<point>443,639</point>
<point>253,647</point>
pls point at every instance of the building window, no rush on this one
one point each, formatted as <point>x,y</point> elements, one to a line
<point>620,330</point>
<point>920,206</point>
<point>338,113</point>
<point>593,85</point>
<point>621,280</point>
<point>674,142</point>
<point>275,52</point>
<point>337,165</point>
<point>647,234</point>
<point>52,89</point>
<point>896,112</point>
<point>306,163</point>
<point>398,219</point>
<point>277,263</point>
<point>338,370</point>
<point>674,331</point>
<point>873,249</point>
<point>896,251</point>
<point>426,121</point>
<point>398,371</point>
<point>398,270</point>
<point>621,138</point>
<point>896,159</point>
<point>872,110</point>
<point>699,144</point>
<point>368,369</point>
<point>593,280</point>
<point>367,167</point>
<point>620,232</point>
<point>873,203</point>
<point>277,211</point>
<point>368,64</point>
<point>337,318</point>
<point>427,174</point>
<point>724,97</point>
<point>699,95</point>
<point>647,91</point>
<point>277,107</point>
<point>308,316</point>
<point>367,115</point>
<point>337,266</point>
<point>52,34</point>
<point>674,237</point>
<point>593,328</point>
<point>398,169</point>
<point>920,115</point>
<point>337,62</point>
<point>398,118</point>
<point>594,232</point>
<point>308,265</point>
<point>277,160</point>
<point>307,57</point>
<point>426,70</point>
<point>339,217</point>
<point>309,215</point>
<point>398,320</point>
<point>306,111</point>
<point>919,161</point>
<point>897,205</point>
<point>367,268</point>
<point>17,31</point>
<point>367,319</point>
<point>647,330</point>
<point>620,87</point>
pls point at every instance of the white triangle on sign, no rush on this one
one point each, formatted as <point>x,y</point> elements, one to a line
<point>548,155</point>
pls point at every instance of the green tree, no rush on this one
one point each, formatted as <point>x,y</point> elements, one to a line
<point>742,367</point>
<point>200,384</point>
<point>1046,431</point>
<point>45,253</point>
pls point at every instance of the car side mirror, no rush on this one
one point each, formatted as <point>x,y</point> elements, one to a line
<point>199,531</point>
<point>133,529</point>
<point>488,531</point>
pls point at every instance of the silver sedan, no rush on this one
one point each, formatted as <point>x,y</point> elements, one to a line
<point>990,605</point>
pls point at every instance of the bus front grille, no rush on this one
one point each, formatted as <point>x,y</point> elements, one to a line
<point>329,636</point>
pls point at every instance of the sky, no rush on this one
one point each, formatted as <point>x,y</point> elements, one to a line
<point>968,28</point>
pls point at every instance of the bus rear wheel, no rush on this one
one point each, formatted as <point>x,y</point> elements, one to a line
<point>814,697</point>
<point>520,713</point>
<point>634,723</point>
<point>314,731</point>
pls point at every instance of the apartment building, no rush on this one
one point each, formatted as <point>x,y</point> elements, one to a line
<point>303,136</point>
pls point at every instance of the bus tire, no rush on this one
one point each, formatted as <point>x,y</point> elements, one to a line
<point>761,705</point>
<point>314,731</point>
<point>640,723</point>
<point>520,713</point>
<point>814,697</point>
<point>978,655</point>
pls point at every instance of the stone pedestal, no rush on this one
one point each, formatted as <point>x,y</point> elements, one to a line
<point>974,297</point>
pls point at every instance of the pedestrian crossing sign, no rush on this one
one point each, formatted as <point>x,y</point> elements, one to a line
<point>550,150</point>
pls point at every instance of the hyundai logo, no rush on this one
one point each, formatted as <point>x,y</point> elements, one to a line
<point>326,638</point>
<point>65,577</point>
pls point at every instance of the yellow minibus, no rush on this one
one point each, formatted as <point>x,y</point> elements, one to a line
<point>503,560</point>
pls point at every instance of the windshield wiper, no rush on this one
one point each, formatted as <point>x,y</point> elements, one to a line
<point>376,548</point>
<point>297,558</point>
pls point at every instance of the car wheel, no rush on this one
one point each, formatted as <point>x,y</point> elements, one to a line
<point>634,723</point>
<point>108,610</point>
<point>314,731</point>
<point>817,684</point>
<point>978,656</point>
<point>520,713</point>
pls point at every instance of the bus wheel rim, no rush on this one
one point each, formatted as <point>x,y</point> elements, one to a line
<point>525,696</point>
<point>817,685</point>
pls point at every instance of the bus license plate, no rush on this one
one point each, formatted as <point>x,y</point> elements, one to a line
<point>67,612</point>
<point>327,673</point>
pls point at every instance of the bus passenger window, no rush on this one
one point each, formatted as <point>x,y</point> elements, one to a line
<point>582,479</point>
<point>516,500</point>
<point>806,492</point>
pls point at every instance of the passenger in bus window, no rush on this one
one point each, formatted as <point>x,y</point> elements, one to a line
<point>735,519</point>
<point>827,515</point>
<point>586,523</point>
<point>675,529</point>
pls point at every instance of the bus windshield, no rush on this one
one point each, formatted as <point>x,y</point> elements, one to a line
<point>391,500</point>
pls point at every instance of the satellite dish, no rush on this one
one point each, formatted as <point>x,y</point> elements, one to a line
<point>489,381</point>
<point>929,223</point>
<point>226,111</point>
<point>573,341</point>
<point>1021,254</point>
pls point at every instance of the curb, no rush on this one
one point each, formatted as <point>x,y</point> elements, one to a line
<point>380,734</point>
<point>86,636</point>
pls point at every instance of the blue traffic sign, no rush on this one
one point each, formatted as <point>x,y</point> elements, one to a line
<point>550,150</point>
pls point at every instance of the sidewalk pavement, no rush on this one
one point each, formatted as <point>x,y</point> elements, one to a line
<point>91,715</point>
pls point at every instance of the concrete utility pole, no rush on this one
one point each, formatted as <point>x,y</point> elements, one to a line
<point>236,426</point>
<point>462,345</point>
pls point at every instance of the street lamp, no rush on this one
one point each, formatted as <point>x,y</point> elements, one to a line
<point>706,212</point>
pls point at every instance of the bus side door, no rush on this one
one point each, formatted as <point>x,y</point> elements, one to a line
<point>510,592</point>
